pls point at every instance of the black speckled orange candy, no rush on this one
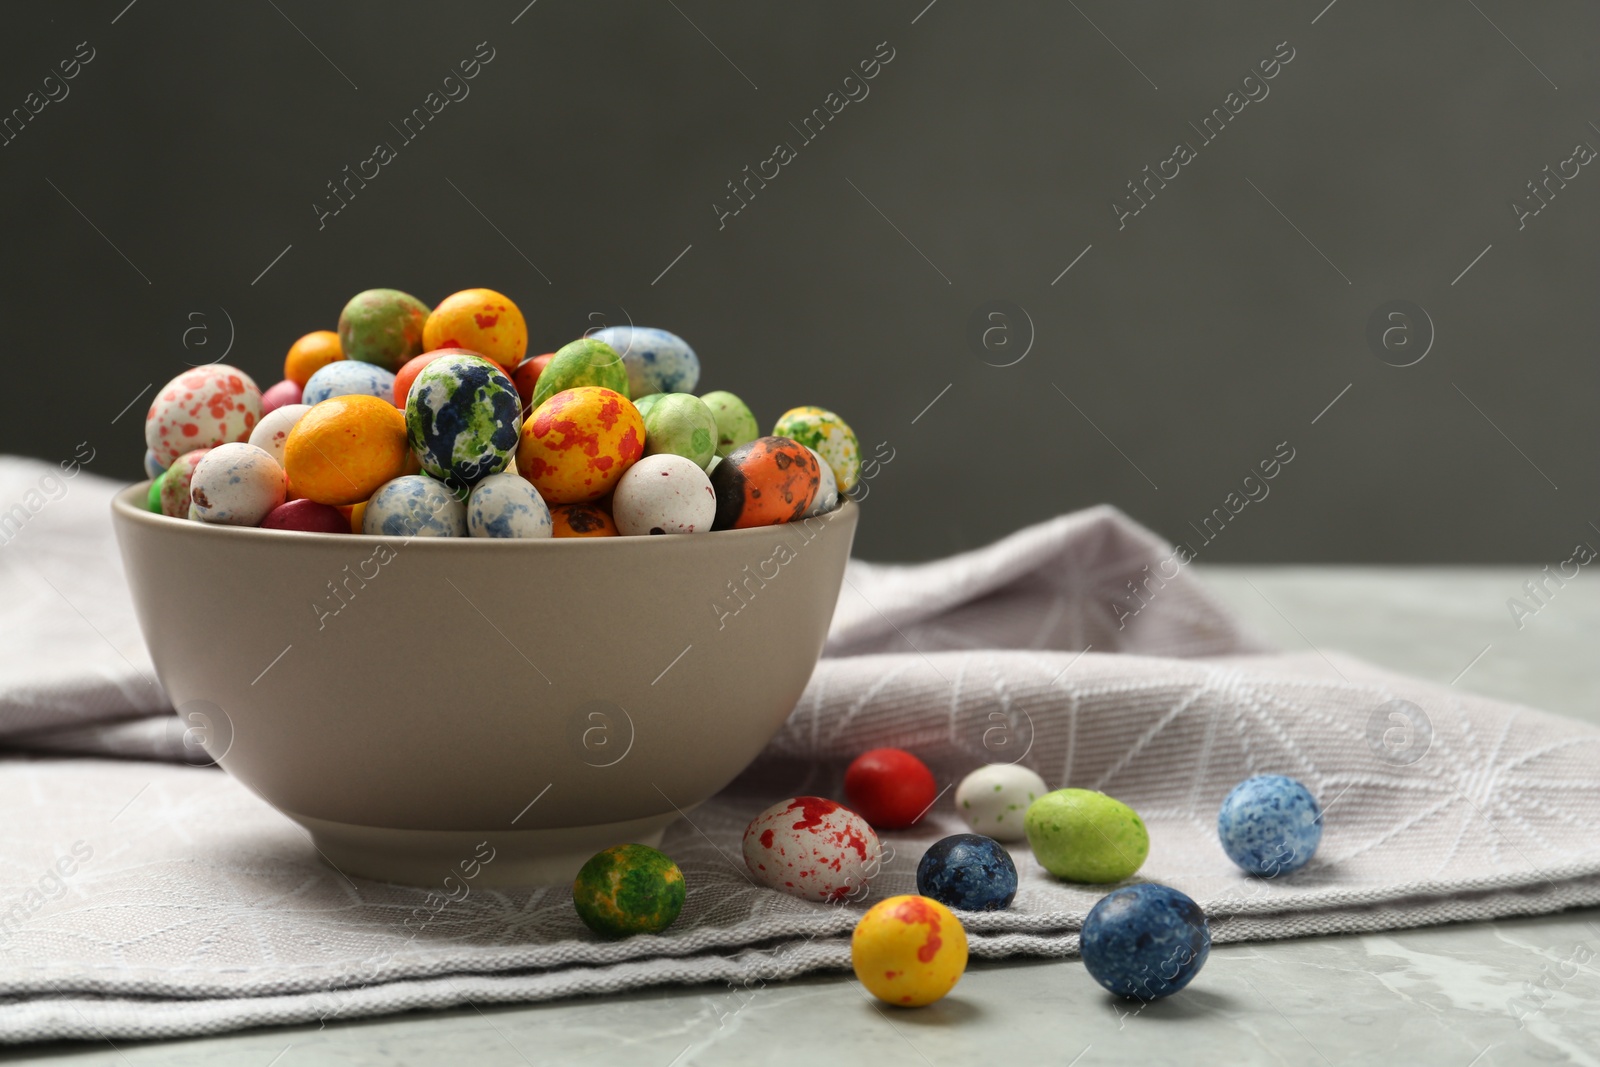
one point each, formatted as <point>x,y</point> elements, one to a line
<point>768,481</point>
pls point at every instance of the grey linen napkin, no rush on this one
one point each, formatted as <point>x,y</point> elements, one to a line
<point>142,898</point>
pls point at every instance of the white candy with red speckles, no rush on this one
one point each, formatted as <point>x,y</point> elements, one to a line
<point>272,432</point>
<point>664,494</point>
<point>201,407</point>
<point>812,848</point>
<point>236,485</point>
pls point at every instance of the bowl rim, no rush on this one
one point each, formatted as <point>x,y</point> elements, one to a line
<point>128,505</point>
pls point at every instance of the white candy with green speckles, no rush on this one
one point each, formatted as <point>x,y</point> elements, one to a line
<point>994,799</point>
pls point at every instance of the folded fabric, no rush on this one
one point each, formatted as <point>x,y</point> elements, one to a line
<point>141,898</point>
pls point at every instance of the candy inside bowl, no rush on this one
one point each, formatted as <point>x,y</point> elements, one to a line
<point>408,699</point>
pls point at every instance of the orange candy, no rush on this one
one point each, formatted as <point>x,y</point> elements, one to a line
<point>344,448</point>
<point>481,321</point>
<point>310,354</point>
<point>526,377</point>
<point>581,520</point>
<point>577,444</point>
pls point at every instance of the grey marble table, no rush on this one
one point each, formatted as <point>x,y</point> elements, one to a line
<point>1468,995</point>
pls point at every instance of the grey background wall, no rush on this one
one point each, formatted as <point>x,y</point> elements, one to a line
<point>166,203</point>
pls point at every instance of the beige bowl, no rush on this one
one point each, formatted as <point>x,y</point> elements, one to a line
<point>405,701</point>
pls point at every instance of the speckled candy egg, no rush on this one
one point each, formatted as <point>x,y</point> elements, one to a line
<point>969,872</point>
<point>1085,836</point>
<point>664,494</point>
<point>414,505</point>
<point>153,467</point>
<point>272,432</point>
<point>341,450</point>
<point>200,408</point>
<point>175,483</point>
<point>406,376</point>
<point>236,484</point>
<point>812,848</point>
<point>382,327</point>
<point>680,424</point>
<point>507,505</point>
<point>577,445</point>
<point>580,363</point>
<point>768,481</point>
<point>1145,941</point>
<point>581,520</point>
<point>479,320</point>
<point>736,423</point>
<point>645,403</point>
<point>463,418</point>
<point>829,436</point>
<point>908,951</point>
<point>827,497</point>
<point>348,378</point>
<point>994,799</point>
<point>657,361</point>
<point>628,889</point>
<point>1270,825</point>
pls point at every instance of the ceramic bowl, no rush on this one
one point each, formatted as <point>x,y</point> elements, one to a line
<point>406,701</point>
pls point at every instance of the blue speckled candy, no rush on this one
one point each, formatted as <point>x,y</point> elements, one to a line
<point>1270,825</point>
<point>152,466</point>
<point>968,872</point>
<point>348,377</point>
<point>657,361</point>
<point>507,505</point>
<point>414,505</point>
<point>1145,941</point>
<point>463,419</point>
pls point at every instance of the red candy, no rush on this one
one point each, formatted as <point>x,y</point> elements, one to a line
<point>890,788</point>
<point>281,395</point>
<point>307,516</point>
<point>526,376</point>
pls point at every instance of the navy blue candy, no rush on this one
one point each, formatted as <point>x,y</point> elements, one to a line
<point>1145,941</point>
<point>969,872</point>
<point>1270,825</point>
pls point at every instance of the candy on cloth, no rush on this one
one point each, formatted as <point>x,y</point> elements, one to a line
<point>812,848</point>
<point>202,407</point>
<point>889,787</point>
<point>280,395</point>
<point>1145,941</point>
<point>1270,825</point>
<point>736,423</point>
<point>578,444</point>
<point>307,516</point>
<point>827,497</point>
<point>680,423</point>
<point>768,481</point>
<point>272,432</point>
<point>175,483</point>
<point>507,505</point>
<point>656,361</point>
<point>664,494</point>
<point>628,889</point>
<point>580,363</point>
<point>968,871</point>
<point>462,419</point>
<point>414,505</point>
<point>829,436</point>
<point>479,320</point>
<point>310,354</point>
<point>236,484</point>
<point>343,449</point>
<point>582,520</point>
<point>347,378</point>
<point>908,951</point>
<point>1085,836</point>
<point>383,327</point>
<point>994,799</point>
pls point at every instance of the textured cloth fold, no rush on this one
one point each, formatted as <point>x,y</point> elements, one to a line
<point>142,898</point>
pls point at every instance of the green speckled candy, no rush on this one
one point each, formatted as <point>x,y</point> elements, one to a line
<point>648,401</point>
<point>583,362</point>
<point>152,500</point>
<point>463,418</point>
<point>736,424</point>
<point>828,436</point>
<point>382,326</point>
<point>1085,836</point>
<point>680,423</point>
<point>628,889</point>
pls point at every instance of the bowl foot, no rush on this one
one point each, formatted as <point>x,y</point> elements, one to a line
<point>474,858</point>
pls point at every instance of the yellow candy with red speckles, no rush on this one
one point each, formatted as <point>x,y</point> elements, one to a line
<point>577,444</point>
<point>909,951</point>
<point>481,321</point>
